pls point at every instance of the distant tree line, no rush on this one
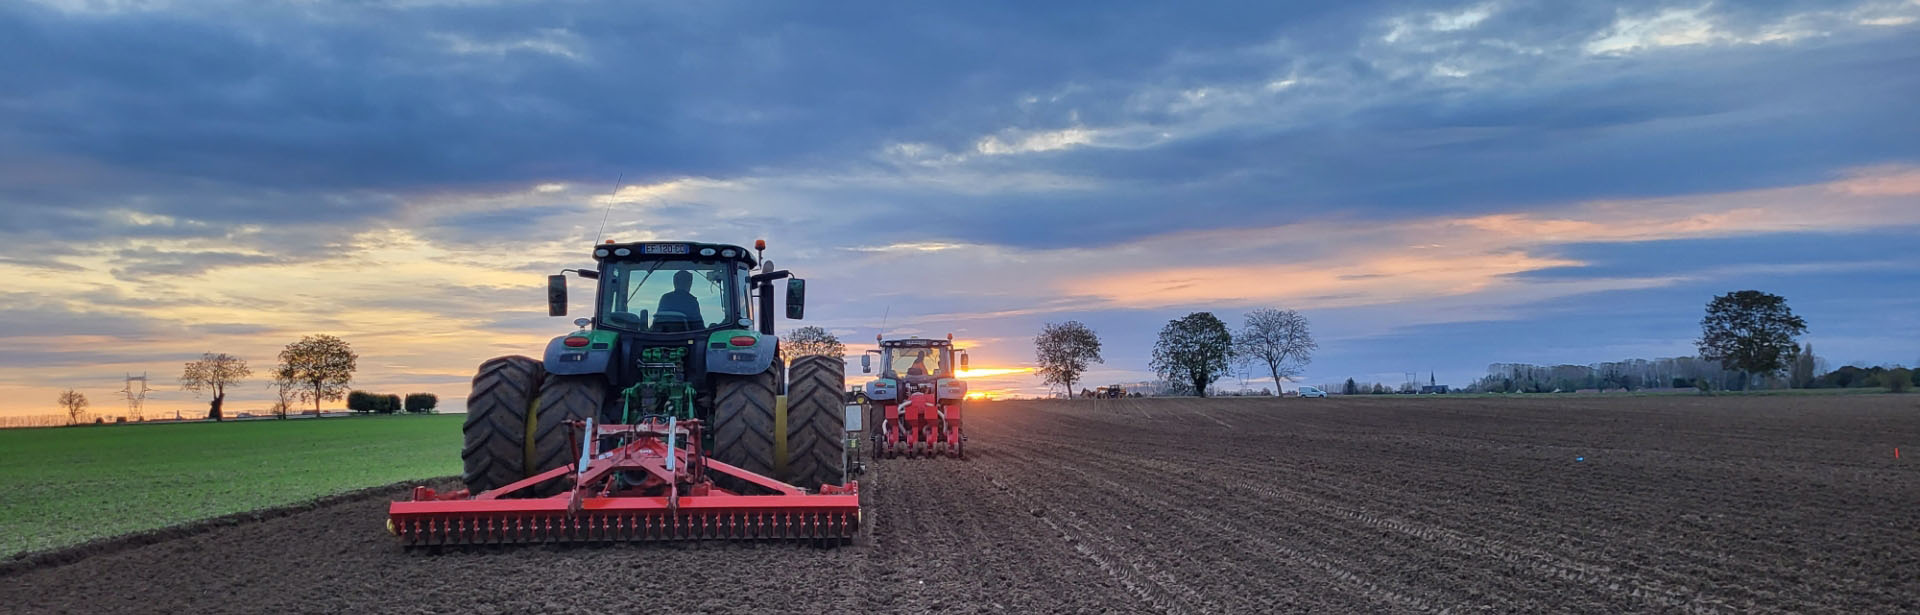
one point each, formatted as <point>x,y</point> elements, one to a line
<point>1747,340</point>
<point>1628,375</point>
<point>1192,353</point>
<point>1353,387</point>
<point>1683,373</point>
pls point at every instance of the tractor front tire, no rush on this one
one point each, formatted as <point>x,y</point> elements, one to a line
<point>495,430</point>
<point>743,421</point>
<point>555,441</point>
<point>816,422</point>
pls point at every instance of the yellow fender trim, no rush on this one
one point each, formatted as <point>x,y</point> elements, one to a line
<point>780,437</point>
<point>533,427</point>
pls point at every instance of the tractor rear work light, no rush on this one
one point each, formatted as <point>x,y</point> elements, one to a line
<point>575,341</point>
<point>743,340</point>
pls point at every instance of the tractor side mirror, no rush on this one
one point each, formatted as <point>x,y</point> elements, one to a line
<point>866,364</point>
<point>796,298</point>
<point>963,362</point>
<point>557,294</point>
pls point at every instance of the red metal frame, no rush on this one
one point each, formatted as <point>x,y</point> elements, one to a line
<point>651,488</point>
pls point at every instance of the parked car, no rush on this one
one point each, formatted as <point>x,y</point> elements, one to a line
<point>1312,392</point>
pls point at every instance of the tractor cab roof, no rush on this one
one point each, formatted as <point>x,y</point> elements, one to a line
<point>660,250</point>
<point>915,343</point>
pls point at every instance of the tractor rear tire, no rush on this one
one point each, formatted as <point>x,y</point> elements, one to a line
<point>494,454</point>
<point>816,422</point>
<point>555,440</point>
<point>743,422</point>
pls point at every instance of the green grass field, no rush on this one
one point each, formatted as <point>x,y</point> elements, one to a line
<point>64,486</point>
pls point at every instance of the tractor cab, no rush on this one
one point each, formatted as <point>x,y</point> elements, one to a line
<point>916,359</point>
<point>668,319</point>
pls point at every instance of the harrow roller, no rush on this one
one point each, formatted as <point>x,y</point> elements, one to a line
<point>645,490</point>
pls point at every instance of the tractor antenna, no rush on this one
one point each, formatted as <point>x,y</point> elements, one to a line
<point>883,321</point>
<point>609,212</point>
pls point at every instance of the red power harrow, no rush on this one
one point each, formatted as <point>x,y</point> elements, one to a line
<point>920,426</point>
<point>650,488</point>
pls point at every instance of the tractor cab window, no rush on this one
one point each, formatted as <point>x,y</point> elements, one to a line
<point>667,296</point>
<point>741,275</point>
<point>914,361</point>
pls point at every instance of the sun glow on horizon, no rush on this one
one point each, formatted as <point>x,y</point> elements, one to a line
<point>984,372</point>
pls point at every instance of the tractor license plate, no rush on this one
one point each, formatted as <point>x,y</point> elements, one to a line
<point>664,249</point>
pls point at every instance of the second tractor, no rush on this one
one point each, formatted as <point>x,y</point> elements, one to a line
<point>916,403</point>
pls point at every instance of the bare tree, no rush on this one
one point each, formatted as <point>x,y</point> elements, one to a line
<point>321,364</point>
<point>1063,351</point>
<point>810,340</point>
<point>75,403</point>
<point>1277,339</point>
<point>214,373</point>
<point>286,389</point>
<point>1803,366</point>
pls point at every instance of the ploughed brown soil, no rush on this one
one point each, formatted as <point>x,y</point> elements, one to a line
<point>1365,505</point>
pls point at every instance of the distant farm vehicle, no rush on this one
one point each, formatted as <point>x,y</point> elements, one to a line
<point>661,424</point>
<point>916,402</point>
<point>1310,392</point>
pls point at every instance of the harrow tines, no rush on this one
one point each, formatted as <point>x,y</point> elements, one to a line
<point>811,527</point>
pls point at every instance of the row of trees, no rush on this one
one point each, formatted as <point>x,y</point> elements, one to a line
<point>1747,337</point>
<point>315,369</point>
<point>1684,373</point>
<point>1632,374</point>
<point>1191,353</point>
<point>1352,387</point>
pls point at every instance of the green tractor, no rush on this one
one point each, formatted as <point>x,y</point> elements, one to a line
<point>679,330</point>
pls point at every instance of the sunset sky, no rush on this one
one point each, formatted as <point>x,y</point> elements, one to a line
<point>1437,186</point>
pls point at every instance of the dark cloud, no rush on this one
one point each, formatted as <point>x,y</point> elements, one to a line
<point>33,314</point>
<point>317,117</point>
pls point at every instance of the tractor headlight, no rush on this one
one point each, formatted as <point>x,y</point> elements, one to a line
<point>728,253</point>
<point>706,251</point>
<point>622,252</point>
<point>602,253</point>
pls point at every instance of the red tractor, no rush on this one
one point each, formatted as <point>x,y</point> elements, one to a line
<point>916,401</point>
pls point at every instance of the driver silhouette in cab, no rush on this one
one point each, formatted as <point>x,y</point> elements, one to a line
<point>680,300</point>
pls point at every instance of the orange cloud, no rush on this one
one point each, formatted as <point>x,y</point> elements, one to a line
<point>1384,278</point>
<point>1883,181</point>
<point>1445,257</point>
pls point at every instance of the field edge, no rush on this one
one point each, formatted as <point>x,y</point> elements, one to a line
<point>26,561</point>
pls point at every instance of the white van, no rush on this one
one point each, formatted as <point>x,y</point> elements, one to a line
<point>1306,391</point>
